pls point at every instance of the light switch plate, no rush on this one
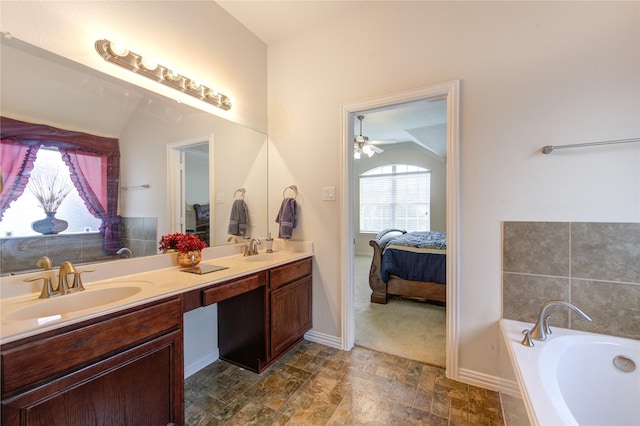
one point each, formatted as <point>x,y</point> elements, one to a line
<point>329,193</point>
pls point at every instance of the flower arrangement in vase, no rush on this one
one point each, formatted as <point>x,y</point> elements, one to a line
<point>50,191</point>
<point>188,246</point>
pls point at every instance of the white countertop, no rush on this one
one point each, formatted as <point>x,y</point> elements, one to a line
<point>151,283</point>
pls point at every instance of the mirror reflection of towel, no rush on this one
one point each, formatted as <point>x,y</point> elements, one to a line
<point>239,218</point>
<point>287,218</point>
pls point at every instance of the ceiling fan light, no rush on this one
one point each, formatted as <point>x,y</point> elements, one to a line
<point>367,150</point>
<point>356,154</point>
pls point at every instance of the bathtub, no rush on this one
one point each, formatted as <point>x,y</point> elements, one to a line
<point>572,379</point>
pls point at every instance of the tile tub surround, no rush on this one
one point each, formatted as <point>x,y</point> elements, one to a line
<point>595,266</point>
<point>137,233</point>
<point>317,385</point>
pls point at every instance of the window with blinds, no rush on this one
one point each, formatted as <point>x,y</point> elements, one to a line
<point>395,196</point>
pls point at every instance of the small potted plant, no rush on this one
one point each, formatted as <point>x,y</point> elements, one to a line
<point>188,246</point>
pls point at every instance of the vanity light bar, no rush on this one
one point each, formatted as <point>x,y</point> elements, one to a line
<point>111,52</point>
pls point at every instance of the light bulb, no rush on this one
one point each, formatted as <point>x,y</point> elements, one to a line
<point>148,64</point>
<point>195,85</point>
<point>118,49</point>
<point>172,75</point>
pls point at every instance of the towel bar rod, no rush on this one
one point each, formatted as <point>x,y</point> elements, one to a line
<point>550,148</point>
<point>145,186</point>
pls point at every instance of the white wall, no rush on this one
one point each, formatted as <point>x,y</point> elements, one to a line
<point>533,73</point>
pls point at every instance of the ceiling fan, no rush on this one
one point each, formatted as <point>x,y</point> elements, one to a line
<point>361,144</point>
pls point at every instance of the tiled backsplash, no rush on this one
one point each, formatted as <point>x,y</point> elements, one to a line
<point>595,266</point>
<point>140,235</point>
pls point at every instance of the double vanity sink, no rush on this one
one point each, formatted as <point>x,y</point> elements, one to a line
<point>23,315</point>
<point>115,351</point>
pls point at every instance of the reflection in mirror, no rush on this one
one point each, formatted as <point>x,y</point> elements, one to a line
<point>40,87</point>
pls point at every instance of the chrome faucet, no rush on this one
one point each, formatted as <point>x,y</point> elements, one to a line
<point>125,252</point>
<point>252,248</point>
<point>541,328</point>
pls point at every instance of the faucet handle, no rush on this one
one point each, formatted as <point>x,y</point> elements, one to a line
<point>545,323</point>
<point>527,338</point>
<point>77,280</point>
<point>47,288</point>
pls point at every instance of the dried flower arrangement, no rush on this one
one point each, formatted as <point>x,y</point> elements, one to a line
<point>184,243</point>
<point>50,191</point>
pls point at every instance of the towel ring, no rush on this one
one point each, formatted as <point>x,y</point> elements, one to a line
<point>241,191</point>
<point>293,188</point>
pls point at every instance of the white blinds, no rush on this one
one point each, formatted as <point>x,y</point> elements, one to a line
<point>396,196</point>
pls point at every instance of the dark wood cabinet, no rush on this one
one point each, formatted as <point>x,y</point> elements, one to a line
<point>290,304</point>
<point>127,368</point>
<point>123,369</point>
<point>258,325</point>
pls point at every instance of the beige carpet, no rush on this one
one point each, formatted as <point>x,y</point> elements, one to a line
<point>405,328</point>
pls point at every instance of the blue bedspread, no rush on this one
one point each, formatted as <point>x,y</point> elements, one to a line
<point>415,266</point>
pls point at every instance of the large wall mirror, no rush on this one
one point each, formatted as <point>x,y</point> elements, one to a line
<point>222,157</point>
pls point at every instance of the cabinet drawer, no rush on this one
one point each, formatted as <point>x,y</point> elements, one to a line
<point>231,289</point>
<point>35,362</point>
<point>284,274</point>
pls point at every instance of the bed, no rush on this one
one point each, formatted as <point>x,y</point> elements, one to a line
<point>411,265</point>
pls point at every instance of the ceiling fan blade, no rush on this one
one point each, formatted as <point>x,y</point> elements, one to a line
<point>376,149</point>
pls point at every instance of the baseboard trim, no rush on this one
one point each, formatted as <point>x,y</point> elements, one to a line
<point>201,363</point>
<point>322,338</point>
<point>482,380</point>
<point>511,388</point>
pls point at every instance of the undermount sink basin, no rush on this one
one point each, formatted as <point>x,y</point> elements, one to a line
<point>74,302</point>
<point>265,257</point>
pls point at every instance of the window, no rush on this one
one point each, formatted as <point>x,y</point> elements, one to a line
<point>395,196</point>
<point>17,219</point>
<point>93,163</point>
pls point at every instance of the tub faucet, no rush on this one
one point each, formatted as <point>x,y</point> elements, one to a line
<point>125,252</point>
<point>45,263</point>
<point>232,239</point>
<point>541,328</point>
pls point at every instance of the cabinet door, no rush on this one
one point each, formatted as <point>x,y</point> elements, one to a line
<point>290,314</point>
<point>140,386</point>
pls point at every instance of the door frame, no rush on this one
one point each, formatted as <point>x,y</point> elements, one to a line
<point>451,92</point>
<point>175,183</point>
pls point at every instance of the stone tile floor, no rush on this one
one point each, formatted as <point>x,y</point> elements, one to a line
<point>317,385</point>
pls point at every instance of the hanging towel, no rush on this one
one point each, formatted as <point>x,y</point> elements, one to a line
<point>239,218</point>
<point>287,218</point>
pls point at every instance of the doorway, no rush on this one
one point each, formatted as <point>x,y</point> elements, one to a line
<point>190,183</point>
<point>450,93</point>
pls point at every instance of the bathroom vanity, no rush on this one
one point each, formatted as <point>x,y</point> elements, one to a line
<point>126,365</point>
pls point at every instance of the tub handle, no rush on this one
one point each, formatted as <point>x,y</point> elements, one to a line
<point>527,341</point>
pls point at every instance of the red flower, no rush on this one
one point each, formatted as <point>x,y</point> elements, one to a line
<point>184,243</point>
